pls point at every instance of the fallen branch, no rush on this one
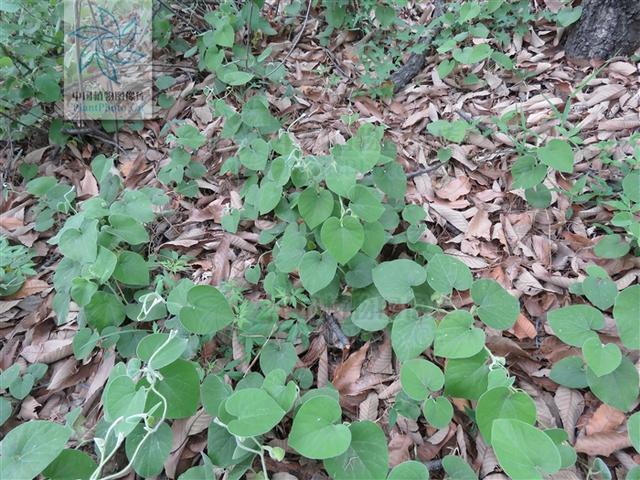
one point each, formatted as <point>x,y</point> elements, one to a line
<point>416,61</point>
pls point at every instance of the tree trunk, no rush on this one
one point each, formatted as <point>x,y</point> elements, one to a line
<point>606,28</point>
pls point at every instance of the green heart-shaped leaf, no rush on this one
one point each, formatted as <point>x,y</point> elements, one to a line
<point>366,457</point>
<point>538,196</point>
<point>122,399</point>
<point>409,470</point>
<point>567,16</point>
<point>131,269</point>
<point>391,179</point>
<point>269,196</point>
<point>557,154</point>
<point>618,388</point>
<point>104,310</point>
<point>496,307</point>
<point>255,411</point>
<point>452,131</point>
<point>317,270</point>
<point>570,372</point>
<point>365,203</point>
<point>158,350</point>
<point>180,386</point>
<point>575,324</point>
<point>467,377</point>
<point>626,313</point>
<point>456,337</point>
<point>128,229</point>
<point>612,246</point>
<point>633,427</point>
<point>524,451</point>
<point>213,392</point>
<point>274,385</point>
<point>315,206</point>
<point>437,411</point>
<point>471,55</point>
<point>457,468</point>
<point>370,315</point>
<point>444,273</point>
<point>30,447</point>
<point>290,251</point>
<point>394,279</point>
<point>374,239</point>
<point>278,355</point>
<point>81,244</point>
<point>342,237</point>
<point>601,291</point>
<point>420,377</point>
<point>411,335</point>
<point>527,172</point>
<point>69,465</point>
<point>503,402</point>
<point>314,433</point>
<point>601,359</point>
<point>207,311</point>
<point>222,447</point>
<point>150,458</point>
<point>341,179</point>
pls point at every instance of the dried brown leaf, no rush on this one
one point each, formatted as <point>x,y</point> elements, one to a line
<point>605,419</point>
<point>348,372</point>
<point>602,443</point>
<point>524,328</point>
<point>62,371</point>
<point>382,357</point>
<point>30,287</point>
<point>48,352</point>
<point>570,404</point>
<point>368,409</point>
<point>399,448</point>
<point>323,369</point>
<point>28,409</point>
<point>480,226</point>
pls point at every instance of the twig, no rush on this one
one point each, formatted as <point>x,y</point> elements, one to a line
<point>416,61</point>
<point>93,133</point>
<point>23,124</point>
<point>423,170</point>
<point>295,41</point>
<point>335,62</point>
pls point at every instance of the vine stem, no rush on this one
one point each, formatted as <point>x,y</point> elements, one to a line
<point>241,446</point>
<point>260,453</point>
<point>152,376</point>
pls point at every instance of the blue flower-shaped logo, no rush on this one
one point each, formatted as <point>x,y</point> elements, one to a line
<point>108,44</point>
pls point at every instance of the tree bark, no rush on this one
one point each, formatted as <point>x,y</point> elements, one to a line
<point>607,28</point>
